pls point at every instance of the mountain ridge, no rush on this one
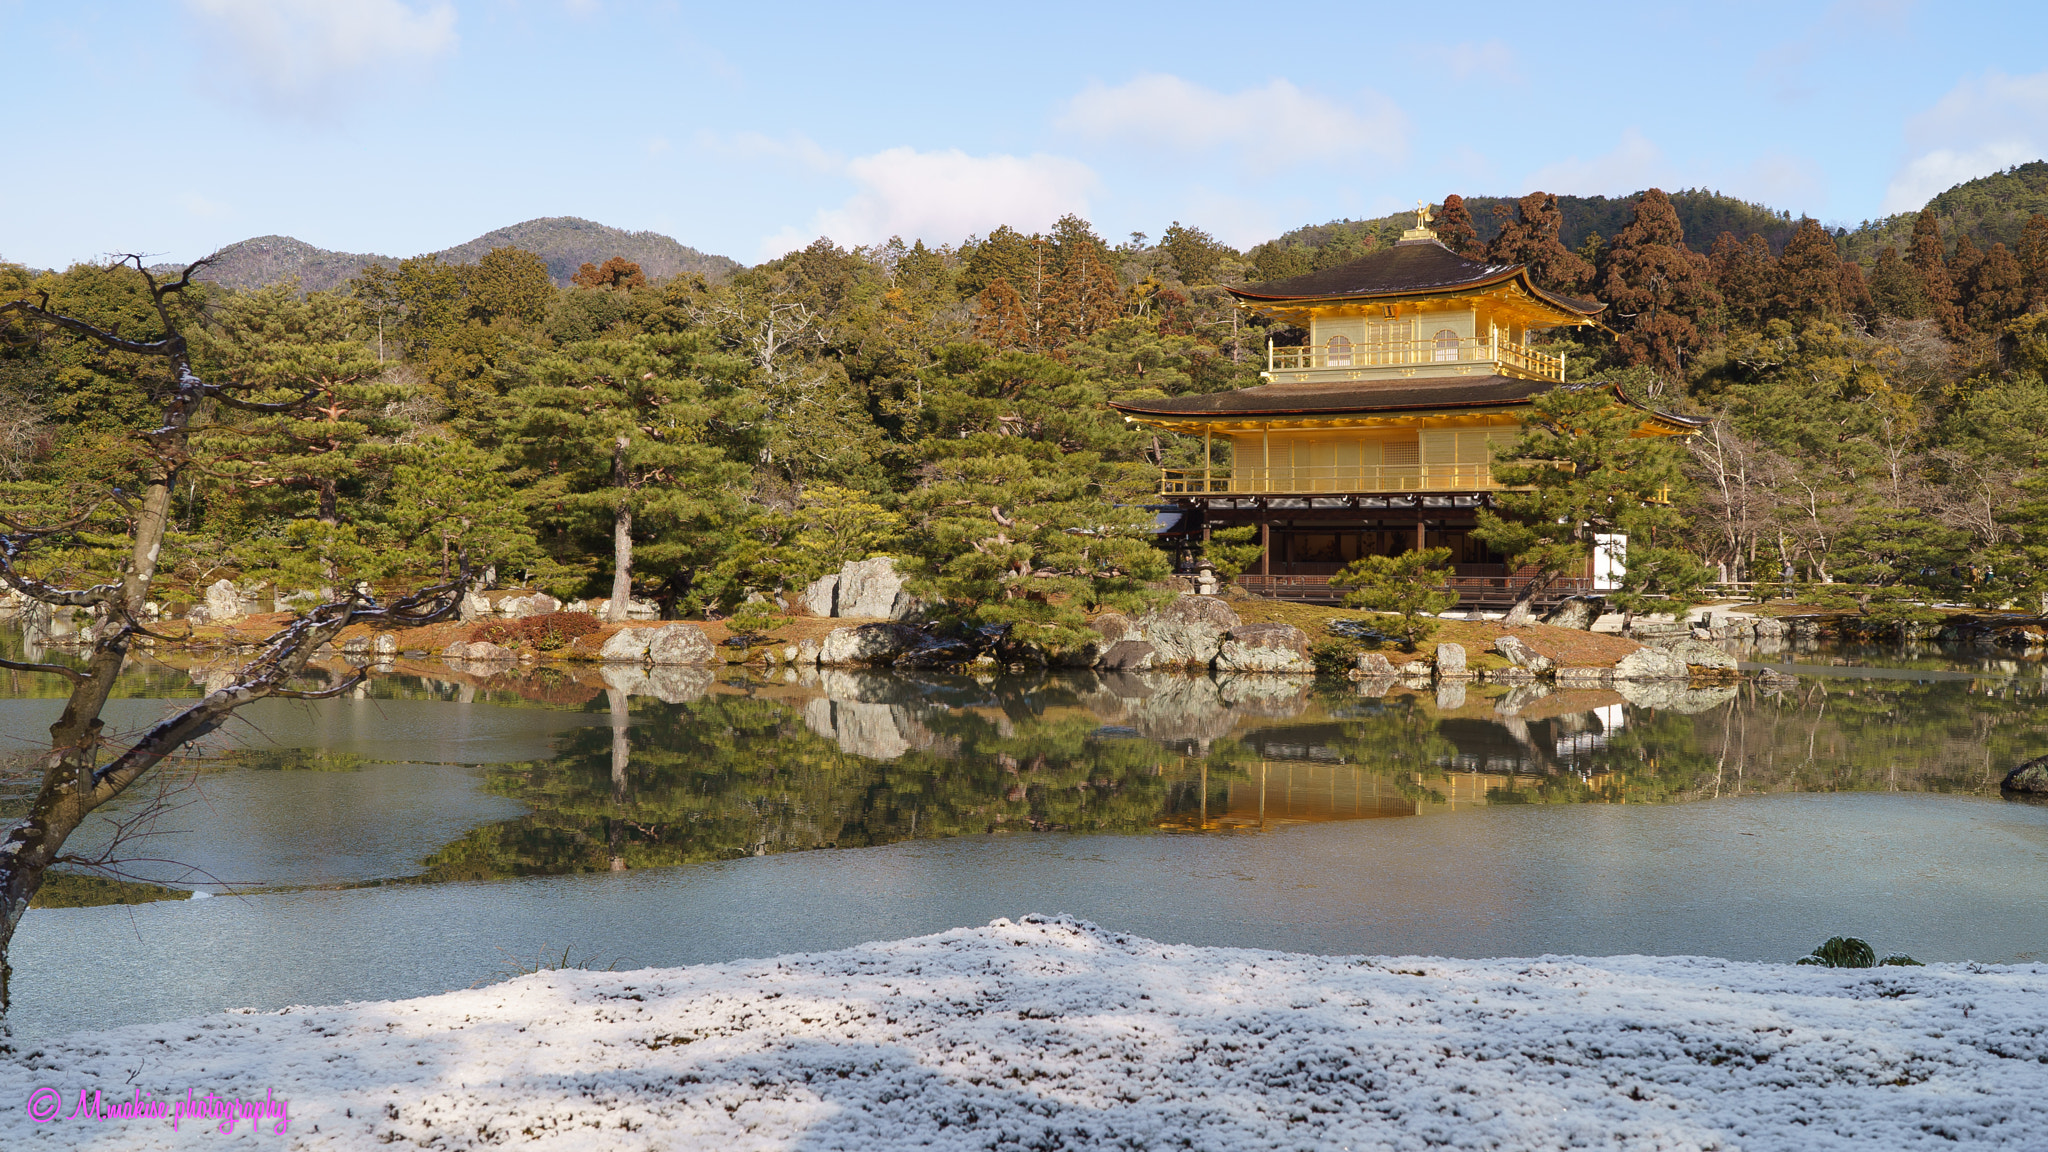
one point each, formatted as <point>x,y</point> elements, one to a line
<point>564,242</point>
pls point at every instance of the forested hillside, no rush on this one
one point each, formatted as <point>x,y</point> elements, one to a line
<point>1878,432</point>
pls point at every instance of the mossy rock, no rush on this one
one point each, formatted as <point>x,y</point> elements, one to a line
<point>2029,777</point>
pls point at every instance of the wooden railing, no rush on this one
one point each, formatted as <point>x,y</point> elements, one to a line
<point>1405,352</point>
<point>1473,591</point>
<point>1311,480</point>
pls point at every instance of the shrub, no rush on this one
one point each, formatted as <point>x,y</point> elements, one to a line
<point>1412,585</point>
<point>541,633</point>
<point>1849,952</point>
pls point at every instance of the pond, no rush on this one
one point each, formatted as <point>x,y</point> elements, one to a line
<point>445,826</point>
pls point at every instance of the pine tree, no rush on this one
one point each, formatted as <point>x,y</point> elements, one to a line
<point>1809,275</point>
<point>1529,235</point>
<point>1195,254</point>
<point>1929,258</point>
<point>1745,274</point>
<point>1454,229</point>
<point>1895,288</point>
<point>1658,288</point>
<point>1578,471</point>
<point>613,434</point>
<point>1998,290</point>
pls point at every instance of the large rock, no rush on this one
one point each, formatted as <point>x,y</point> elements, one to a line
<point>1518,653</point>
<point>1264,648</point>
<point>1700,654</point>
<point>1375,666</point>
<point>868,644</point>
<point>626,646</point>
<point>223,602</point>
<point>1577,612</point>
<point>1126,656</point>
<point>1188,632</point>
<point>680,644</point>
<point>671,684</point>
<point>2029,777</point>
<point>868,588</point>
<point>474,606</point>
<point>477,650</point>
<point>1651,664</point>
<point>1673,696</point>
<point>821,596</point>
<point>536,604</point>
<point>1115,626</point>
<point>1450,662</point>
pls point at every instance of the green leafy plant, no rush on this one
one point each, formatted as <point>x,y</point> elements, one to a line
<point>547,633</point>
<point>755,619</point>
<point>1411,585</point>
<point>1230,551</point>
<point>1849,952</point>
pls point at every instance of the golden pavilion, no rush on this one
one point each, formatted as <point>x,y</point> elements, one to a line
<point>1376,434</point>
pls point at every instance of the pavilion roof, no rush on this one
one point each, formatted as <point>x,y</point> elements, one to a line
<point>1409,268</point>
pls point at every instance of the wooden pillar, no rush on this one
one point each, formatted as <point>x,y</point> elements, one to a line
<point>1421,527</point>
<point>1265,548</point>
<point>1207,434</point>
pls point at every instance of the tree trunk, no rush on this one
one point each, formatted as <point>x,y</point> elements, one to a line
<point>622,538</point>
<point>622,752</point>
<point>75,780</point>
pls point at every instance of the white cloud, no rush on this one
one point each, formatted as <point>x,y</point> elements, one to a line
<point>943,197</point>
<point>1276,124</point>
<point>1982,125</point>
<point>1492,59</point>
<point>300,55</point>
<point>799,149</point>
<point>1634,164</point>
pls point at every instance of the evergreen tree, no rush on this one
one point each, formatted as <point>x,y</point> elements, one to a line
<point>1413,586</point>
<point>1576,472</point>
<point>1454,229</point>
<point>1529,235</point>
<point>1998,290</point>
<point>1895,288</point>
<point>1745,273</point>
<point>1194,253</point>
<point>1929,258</point>
<point>1032,506</point>
<point>999,320</point>
<point>1087,298</point>
<point>1809,275</point>
<point>614,437</point>
<point>1657,288</point>
<point>1855,293</point>
<point>2033,258</point>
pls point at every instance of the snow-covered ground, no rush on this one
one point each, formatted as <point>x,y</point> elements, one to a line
<point>1050,1033</point>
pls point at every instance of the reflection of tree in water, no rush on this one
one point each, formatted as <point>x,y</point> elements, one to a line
<point>731,776</point>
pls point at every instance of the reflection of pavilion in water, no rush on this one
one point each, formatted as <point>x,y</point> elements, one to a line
<point>1302,777</point>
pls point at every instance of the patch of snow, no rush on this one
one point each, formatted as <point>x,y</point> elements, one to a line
<point>1053,1033</point>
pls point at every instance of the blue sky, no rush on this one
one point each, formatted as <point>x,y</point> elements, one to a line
<point>402,126</point>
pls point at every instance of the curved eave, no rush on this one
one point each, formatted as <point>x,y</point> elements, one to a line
<point>1519,272</point>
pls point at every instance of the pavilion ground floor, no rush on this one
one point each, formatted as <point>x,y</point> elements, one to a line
<point>1306,540</point>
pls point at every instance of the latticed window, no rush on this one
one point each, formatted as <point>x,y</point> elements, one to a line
<point>1446,345</point>
<point>1340,352</point>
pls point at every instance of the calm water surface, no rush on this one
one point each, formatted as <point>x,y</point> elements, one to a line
<point>447,823</point>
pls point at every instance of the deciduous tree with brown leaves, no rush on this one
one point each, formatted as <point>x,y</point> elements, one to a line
<point>1529,235</point>
<point>1657,289</point>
